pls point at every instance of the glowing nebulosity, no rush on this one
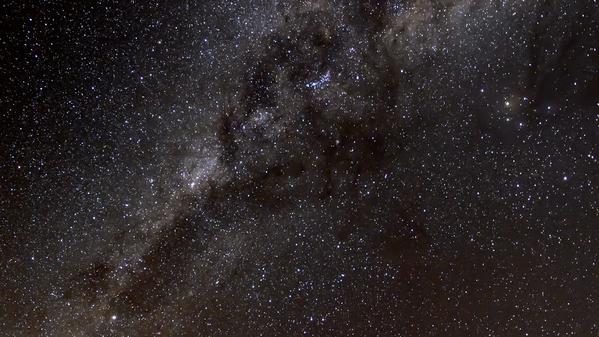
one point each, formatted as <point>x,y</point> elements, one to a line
<point>392,168</point>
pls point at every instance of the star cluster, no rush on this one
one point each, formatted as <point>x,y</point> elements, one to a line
<point>286,168</point>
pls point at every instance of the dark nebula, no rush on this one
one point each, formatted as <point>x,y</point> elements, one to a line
<point>287,168</point>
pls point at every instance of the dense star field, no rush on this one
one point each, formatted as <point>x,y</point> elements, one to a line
<point>299,168</point>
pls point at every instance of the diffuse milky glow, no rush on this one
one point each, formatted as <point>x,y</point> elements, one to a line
<point>286,168</point>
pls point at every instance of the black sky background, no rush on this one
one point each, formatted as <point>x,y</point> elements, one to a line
<point>272,168</point>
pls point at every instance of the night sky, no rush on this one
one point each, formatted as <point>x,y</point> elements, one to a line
<point>299,168</point>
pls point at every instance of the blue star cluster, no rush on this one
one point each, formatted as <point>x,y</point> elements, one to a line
<point>299,168</point>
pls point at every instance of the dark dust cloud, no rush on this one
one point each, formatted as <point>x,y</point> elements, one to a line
<point>299,168</point>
